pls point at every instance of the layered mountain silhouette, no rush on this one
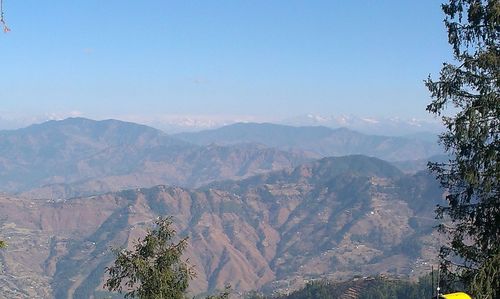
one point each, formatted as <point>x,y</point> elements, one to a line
<point>335,218</point>
<point>320,141</point>
<point>77,156</point>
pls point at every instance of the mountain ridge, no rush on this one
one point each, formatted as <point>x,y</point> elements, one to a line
<point>318,140</point>
<point>113,155</point>
<point>78,156</point>
<point>299,225</point>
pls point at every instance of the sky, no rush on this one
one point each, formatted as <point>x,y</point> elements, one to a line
<point>256,60</point>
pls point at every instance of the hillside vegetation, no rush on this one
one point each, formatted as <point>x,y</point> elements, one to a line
<point>334,218</point>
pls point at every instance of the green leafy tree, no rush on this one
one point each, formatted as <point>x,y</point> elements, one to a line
<point>154,269</point>
<point>2,244</point>
<point>472,176</point>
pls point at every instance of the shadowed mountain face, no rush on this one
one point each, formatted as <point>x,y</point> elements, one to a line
<point>334,218</point>
<point>74,157</point>
<point>320,141</point>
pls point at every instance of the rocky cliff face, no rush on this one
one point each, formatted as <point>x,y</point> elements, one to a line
<point>334,218</point>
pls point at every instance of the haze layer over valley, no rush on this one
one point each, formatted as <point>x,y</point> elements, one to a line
<point>264,205</point>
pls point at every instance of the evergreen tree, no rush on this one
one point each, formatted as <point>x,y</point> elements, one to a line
<point>472,176</point>
<point>486,283</point>
<point>154,269</point>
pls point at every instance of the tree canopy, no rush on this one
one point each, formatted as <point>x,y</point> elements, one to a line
<point>472,176</point>
<point>154,269</point>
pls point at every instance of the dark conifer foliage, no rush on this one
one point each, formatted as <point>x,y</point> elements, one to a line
<point>472,176</point>
<point>154,269</point>
<point>361,288</point>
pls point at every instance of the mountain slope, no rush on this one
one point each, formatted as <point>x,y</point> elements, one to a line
<point>79,156</point>
<point>321,141</point>
<point>334,218</point>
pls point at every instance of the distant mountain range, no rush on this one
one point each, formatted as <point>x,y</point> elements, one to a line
<point>334,217</point>
<point>318,141</point>
<point>389,126</point>
<point>78,156</point>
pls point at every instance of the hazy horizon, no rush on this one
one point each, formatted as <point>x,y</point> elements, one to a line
<point>185,124</point>
<point>219,62</point>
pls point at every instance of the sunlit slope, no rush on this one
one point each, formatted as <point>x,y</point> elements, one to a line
<point>336,217</point>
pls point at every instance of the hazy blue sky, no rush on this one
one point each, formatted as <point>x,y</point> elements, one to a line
<point>270,59</point>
